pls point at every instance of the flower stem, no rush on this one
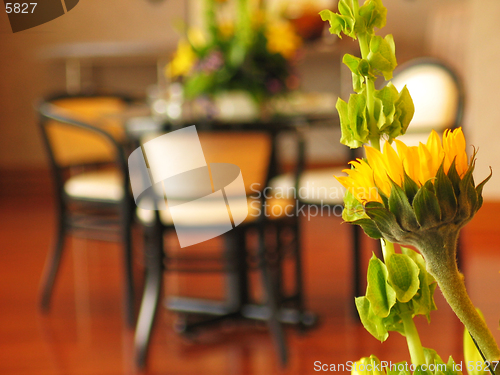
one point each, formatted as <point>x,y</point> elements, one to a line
<point>413,339</point>
<point>440,256</point>
<point>387,249</point>
<point>370,94</point>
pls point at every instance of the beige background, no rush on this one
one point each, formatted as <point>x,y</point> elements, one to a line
<point>465,32</point>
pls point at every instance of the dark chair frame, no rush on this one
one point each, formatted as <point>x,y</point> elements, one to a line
<point>99,228</point>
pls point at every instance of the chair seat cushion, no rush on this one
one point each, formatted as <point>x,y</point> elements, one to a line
<point>208,215</point>
<point>105,185</point>
<point>316,186</point>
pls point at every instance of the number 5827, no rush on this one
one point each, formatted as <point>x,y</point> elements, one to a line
<point>20,7</point>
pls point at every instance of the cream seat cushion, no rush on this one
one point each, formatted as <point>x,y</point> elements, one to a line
<point>316,186</point>
<point>207,215</point>
<point>103,185</point>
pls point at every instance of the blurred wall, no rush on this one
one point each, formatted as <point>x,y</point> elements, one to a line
<point>483,89</point>
<point>24,76</point>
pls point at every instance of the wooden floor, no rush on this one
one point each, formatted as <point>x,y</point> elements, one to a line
<point>85,331</point>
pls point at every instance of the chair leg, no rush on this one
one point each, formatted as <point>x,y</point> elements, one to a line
<point>275,326</point>
<point>151,296</point>
<point>299,279</point>
<point>128,268</point>
<point>52,266</point>
<point>236,278</point>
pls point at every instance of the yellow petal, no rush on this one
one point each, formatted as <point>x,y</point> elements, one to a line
<point>394,164</point>
<point>426,164</point>
<point>436,150</point>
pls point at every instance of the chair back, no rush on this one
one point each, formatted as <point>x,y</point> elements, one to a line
<point>70,144</point>
<point>437,94</point>
<point>250,151</point>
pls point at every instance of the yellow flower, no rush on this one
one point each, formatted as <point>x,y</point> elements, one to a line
<point>282,39</point>
<point>182,62</point>
<point>226,29</point>
<point>196,37</point>
<point>368,177</point>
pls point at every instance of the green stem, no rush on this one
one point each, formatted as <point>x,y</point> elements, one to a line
<point>387,249</point>
<point>370,94</point>
<point>412,338</point>
<point>440,254</point>
<point>355,7</point>
<point>411,333</point>
<point>363,45</point>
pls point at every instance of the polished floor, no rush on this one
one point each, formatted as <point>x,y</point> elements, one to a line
<point>85,332</point>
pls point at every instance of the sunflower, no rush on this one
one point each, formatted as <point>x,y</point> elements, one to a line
<point>409,195</point>
<point>373,178</point>
<point>422,197</point>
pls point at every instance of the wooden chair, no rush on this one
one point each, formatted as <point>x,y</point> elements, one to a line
<point>83,138</point>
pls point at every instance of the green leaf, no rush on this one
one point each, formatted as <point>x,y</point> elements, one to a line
<point>399,368</point>
<point>339,23</point>
<point>394,322</point>
<point>388,97</point>
<point>353,209</point>
<point>451,366</point>
<point>386,221</point>
<point>431,357</point>
<point>382,56</point>
<point>236,54</point>
<point>198,84</point>
<point>467,200</point>
<point>380,294</point>
<point>357,117</point>
<point>419,371</point>
<point>479,191</point>
<point>445,195</point>
<point>345,8</point>
<point>347,138</point>
<point>370,321</point>
<point>423,300</point>
<point>403,276</point>
<point>364,68</point>
<point>410,187</point>
<point>374,13</point>
<point>336,26</point>
<point>454,178</point>
<point>369,227</point>
<point>401,208</point>
<point>426,207</point>
<point>405,109</point>
<point>353,62</point>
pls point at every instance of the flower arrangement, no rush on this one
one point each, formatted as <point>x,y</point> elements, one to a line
<point>412,196</point>
<point>245,52</point>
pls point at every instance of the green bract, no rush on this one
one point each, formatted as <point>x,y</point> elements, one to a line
<point>414,215</point>
<point>434,365</point>
<point>400,286</point>
<point>369,113</point>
